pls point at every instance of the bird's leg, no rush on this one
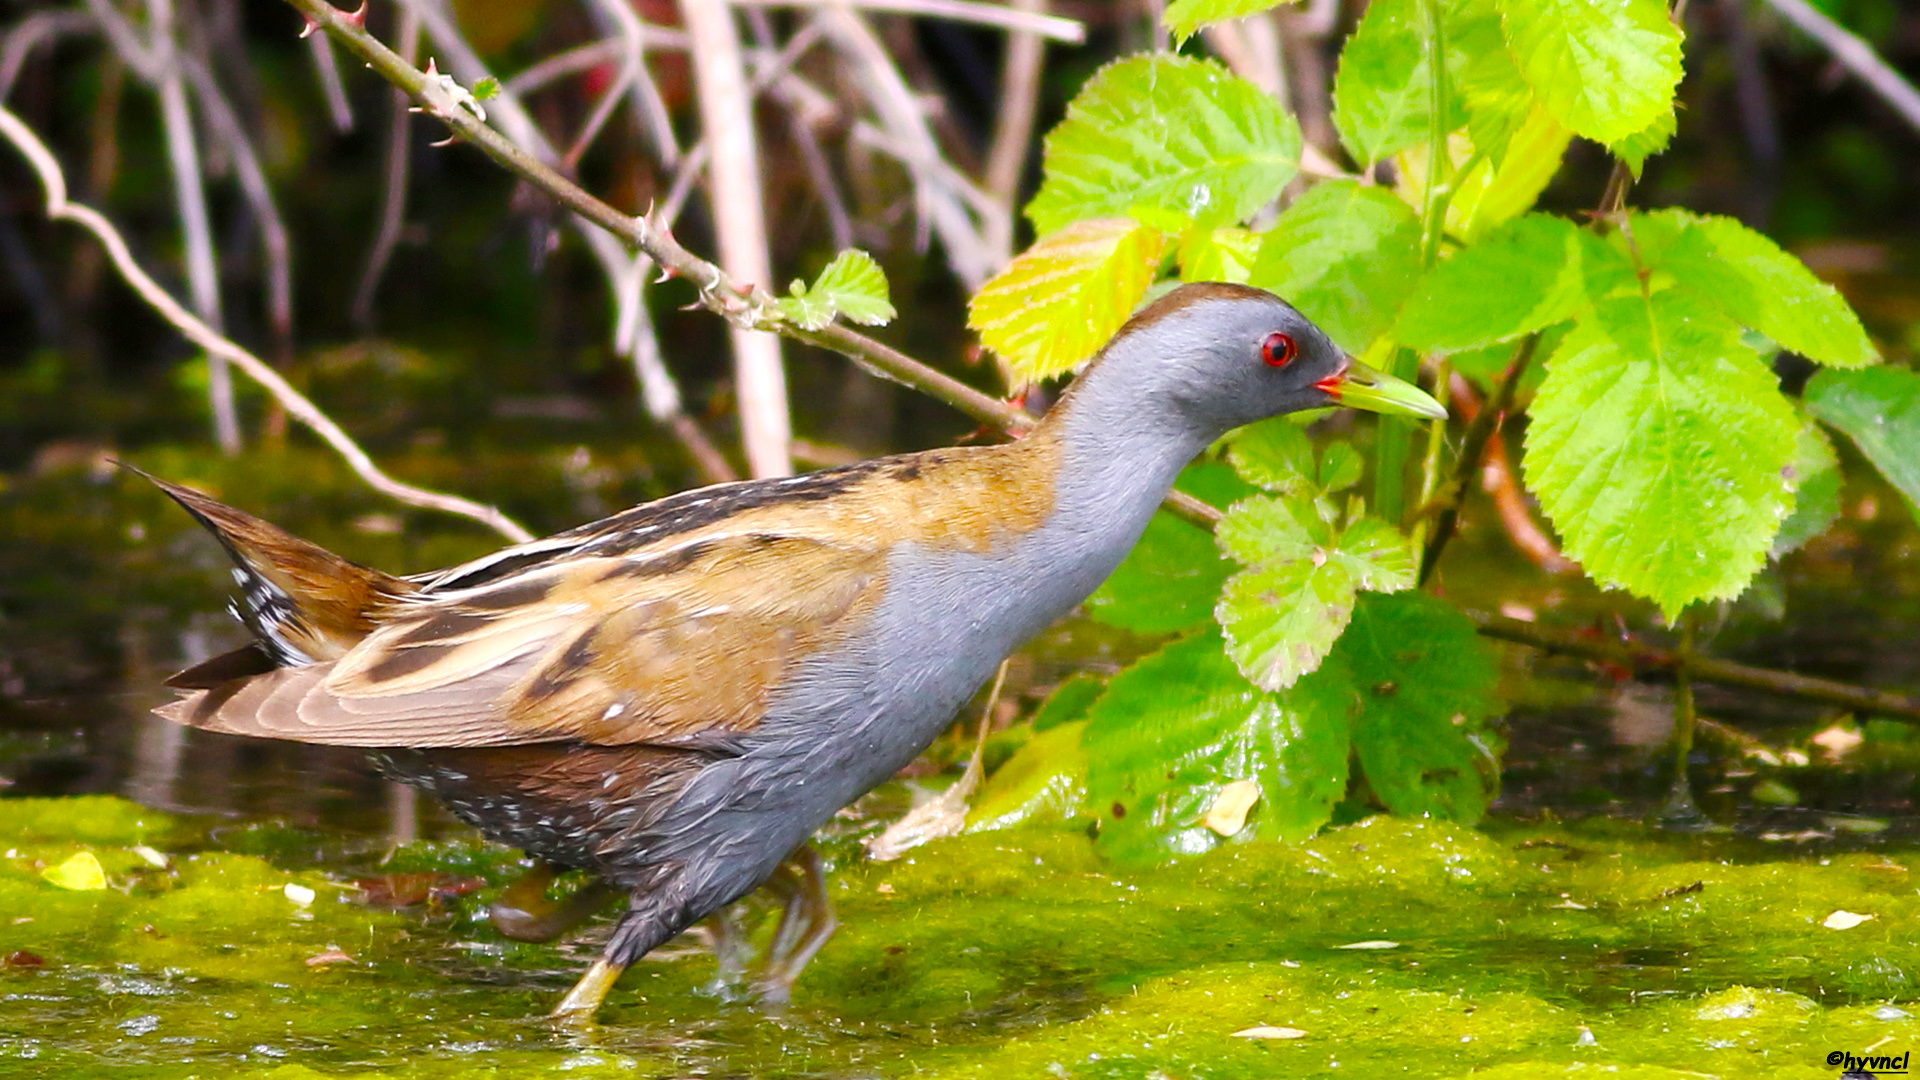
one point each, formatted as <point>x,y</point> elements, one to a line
<point>524,913</point>
<point>806,923</point>
<point>731,950</point>
<point>655,912</point>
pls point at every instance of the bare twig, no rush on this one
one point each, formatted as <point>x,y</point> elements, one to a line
<point>1013,129</point>
<point>1856,56</point>
<point>36,29</point>
<point>275,245</point>
<point>634,77</point>
<point>739,211</point>
<point>1483,423</point>
<point>393,201</point>
<point>1009,18</point>
<point>320,48</point>
<point>160,64</point>
<point>200,333</point>
<point>1645,658</point>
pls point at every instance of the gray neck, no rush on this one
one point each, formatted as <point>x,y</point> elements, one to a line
<point>1119,454</point>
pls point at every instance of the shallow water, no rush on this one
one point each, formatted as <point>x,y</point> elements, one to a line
<point>1565,936</point>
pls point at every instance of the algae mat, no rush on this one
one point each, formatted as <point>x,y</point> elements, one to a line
<point>139,945</point>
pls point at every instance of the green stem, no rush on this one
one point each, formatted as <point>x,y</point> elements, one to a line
<point>1394,436</point>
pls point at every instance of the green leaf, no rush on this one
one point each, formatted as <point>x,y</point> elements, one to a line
<point>486,89</point>
<point>1171,579</point>
<point>1502,189</point>
<point>1815,474</point>
<point>1636,148</point>
<point>1605,68</point>
<point>1657,447</point>
<point>1069,700</point>
<point>1045,780</point>
<point>1879,409</point>
<point>1340,467</point>
<point>1425,680</point>
<point>1274,455</point>
<point>1176,727</point>
<point>1383,93</point>
<point>852,285</point>
<point>1749,278</point>
<point>1346,256</point>
<point>1218,255</point>
<point>1060,300</point>
<point>1170,133</point>
<point>1184,18</point>
<point>1496,96</point>
<point>1283,613</point>
<point>1521,277</point>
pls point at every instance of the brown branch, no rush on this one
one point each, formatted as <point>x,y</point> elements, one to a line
<point>1645,658</point>
<point>1480,429</point>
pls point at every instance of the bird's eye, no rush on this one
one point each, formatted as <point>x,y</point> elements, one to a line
<point>1278,350</point>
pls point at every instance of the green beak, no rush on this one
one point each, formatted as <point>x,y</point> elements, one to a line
<point>1358,386</point>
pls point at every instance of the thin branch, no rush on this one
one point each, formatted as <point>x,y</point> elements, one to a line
<point>339,109</point>
<point>739,212</point>
<point>190,198</point>
<point>633,69</point>
<point>560,65</point>
<point>275,245</point>
<point>1481,427</point>
<point>200,333</point>
<point>393,200</point>
<point>1856,56</point>
<point>1007,18</point>
<point>942,195</point>
<point>1017,108</point>
<point>39,28</point>
<point>1645,658</point>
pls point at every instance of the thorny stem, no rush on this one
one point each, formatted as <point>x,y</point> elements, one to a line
<point>743,305</point>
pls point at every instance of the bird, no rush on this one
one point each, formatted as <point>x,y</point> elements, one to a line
<point>675,697</point>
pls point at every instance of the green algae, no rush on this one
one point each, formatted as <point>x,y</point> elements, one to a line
<point>1388,947</point>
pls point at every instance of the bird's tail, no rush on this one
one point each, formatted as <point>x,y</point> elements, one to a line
<point>302,602</point>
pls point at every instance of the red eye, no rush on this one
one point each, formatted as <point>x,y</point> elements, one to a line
<point>1278,349</point>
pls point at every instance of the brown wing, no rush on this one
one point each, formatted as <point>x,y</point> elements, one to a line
<point>670,646</point>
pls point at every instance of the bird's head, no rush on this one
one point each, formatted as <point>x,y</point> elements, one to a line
<point>1225,355</point>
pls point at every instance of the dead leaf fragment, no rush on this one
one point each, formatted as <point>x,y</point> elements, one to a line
<point>80,873</point>
<point>1370,945</point>
<point>1838,741</point>
<point>1845,920</point>
<point>1228,814</point>
<point>331,955</point>
<point>1268,1031</point>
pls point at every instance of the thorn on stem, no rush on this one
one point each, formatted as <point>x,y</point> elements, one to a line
<point>357,19</point>
<point>312,24</point>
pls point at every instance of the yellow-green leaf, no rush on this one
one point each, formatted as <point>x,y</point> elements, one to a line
<point>1184,18</point>
<point>81,873</point>
<point>1060,300</point>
